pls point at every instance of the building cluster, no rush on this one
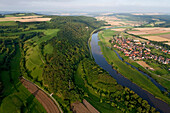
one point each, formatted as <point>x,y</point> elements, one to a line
<point>136,50</point>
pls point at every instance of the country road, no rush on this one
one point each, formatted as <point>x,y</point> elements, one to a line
<point>48,102</point>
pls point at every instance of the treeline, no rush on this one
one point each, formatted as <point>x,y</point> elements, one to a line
<point>7,52</point>
<point>99,81</point>
<point>1,16</point>
<point>30,35</point>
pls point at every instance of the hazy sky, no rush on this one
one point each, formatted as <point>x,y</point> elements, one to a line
<point>86,5</point>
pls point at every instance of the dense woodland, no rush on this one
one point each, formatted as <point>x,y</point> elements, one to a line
<point>66,66</point>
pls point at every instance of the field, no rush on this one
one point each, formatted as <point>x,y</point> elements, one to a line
<point>47,103</point>
<point>48,49</point>
<point>25,19</point>
<point>17,97</point>
<point>78,107</point>
<point>7,23</point>
<point>128,71</point>
<point>156,38</point>
<point>84,107</point>
<point>143,64</point>
<point>119,29</point>
<point>114,21</point>
<point>154,34</point>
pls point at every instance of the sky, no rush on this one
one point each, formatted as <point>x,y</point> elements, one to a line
<point>86,5</point>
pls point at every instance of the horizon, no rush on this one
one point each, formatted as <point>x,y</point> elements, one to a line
<point>95,6</point>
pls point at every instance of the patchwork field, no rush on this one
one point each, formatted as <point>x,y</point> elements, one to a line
<point>154,34</point>
<point>146,31</point>
<point>25,19</point>
<point>114,21</point>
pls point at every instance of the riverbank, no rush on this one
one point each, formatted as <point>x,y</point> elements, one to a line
<point>127,71</point>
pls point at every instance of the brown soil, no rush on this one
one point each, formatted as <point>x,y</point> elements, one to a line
<point>166,36</point>
<point>78,107</point>
<point>143,64</point>
<point>46,101</point>
<point>90,107</point>
<point>156,38</point>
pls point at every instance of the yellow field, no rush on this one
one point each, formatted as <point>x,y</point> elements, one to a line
<point>144,31</point>
<point>119,29</point>
<point>25,19</point>
<point>156,38</point>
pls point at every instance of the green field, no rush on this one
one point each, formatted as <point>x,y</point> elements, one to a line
<point>128,71</point>
<point>7,23</point>
<point>48,49</point>
<point>34,57</point>
<point>16,96</point>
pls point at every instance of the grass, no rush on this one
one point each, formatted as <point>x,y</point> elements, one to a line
<point>49,34</point>
<point>16,96</point>
<point>48,49</point>
<point>92,97</point>
<point>129,72</point>
<point>34,62</point>
<point>8,23</point>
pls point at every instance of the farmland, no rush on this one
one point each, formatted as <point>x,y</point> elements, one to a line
<point>147,31</point>
<point>25,19</point>
<point>154,34</point>
<point>114,21</point>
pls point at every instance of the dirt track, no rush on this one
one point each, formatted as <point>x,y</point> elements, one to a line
<point>47,103</point>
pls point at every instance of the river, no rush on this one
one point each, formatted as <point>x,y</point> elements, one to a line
<point>101,61</point>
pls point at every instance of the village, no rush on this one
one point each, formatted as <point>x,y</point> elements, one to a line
<point>137,50</point>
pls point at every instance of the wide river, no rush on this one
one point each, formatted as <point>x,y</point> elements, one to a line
<point>101,61</point>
